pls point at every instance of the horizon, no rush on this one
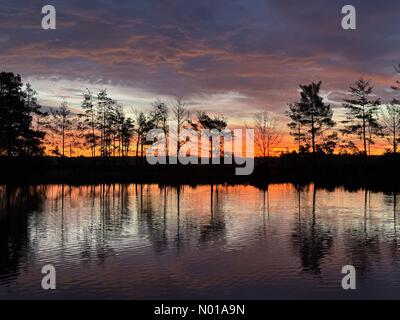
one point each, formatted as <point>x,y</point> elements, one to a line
<point>285,145</point>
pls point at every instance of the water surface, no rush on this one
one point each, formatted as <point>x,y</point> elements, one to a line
<point>207,242</point>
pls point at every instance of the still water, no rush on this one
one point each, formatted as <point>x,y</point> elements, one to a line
<point>213,242</point>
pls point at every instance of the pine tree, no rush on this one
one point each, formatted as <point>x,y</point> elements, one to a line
<point>17,136</point>
<point>312,115</point>
<point>361,115</point>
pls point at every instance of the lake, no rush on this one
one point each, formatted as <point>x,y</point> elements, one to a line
<point>133,241</point>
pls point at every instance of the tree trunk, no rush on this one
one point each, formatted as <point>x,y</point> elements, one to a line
<point>298,137</point>
<point>137,146</point>
<point>364,135</point>
<point>313,135</point>
<point>63,141</point>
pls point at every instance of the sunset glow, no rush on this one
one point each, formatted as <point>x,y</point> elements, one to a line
<point>234,59</point>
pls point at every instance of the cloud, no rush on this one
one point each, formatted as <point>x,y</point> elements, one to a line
<point>259,51</point>
<point>4,38</point>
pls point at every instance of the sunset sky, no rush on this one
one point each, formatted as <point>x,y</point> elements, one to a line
<point>229,57</point>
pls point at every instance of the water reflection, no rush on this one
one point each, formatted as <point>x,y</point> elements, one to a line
<point>14,238</point>
<point>312,240</point>
<point>214,229</point>
<point>210,241</point>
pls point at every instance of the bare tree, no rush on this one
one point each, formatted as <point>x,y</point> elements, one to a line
<point>61,123</point>
<point>267,134</point>
<point>160,115</point>
<point>181,116</point>
<point>390,121</point>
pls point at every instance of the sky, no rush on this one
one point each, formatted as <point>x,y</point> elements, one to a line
<point>226,57</point>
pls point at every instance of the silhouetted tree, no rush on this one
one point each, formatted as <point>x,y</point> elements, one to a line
<point>348,147</point>
<point>31,101</point>
<point>361,115</point>
<point>105,124</point>
<point>160,116</point>
<point>181,117</point>
<point>328,143</point>
<point>311,114</point>
<point>17,137</point>
<point>105,120</point>
<point>117,123</point>
<point>127,132</point>
<point>296,128</point>
<point>144,123</point>
<point>61,123</point>
<point>390,121</point>
<point>88,124</point>
<point>206,122</point>
<point>122,131</point>
<point>266,132</point>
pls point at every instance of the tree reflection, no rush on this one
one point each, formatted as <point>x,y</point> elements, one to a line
<point>17,204</point>
<point>178,236</point>
<point>311,240</point>
<point>170,226</point>
<point>106,219</point>
<point>214,230</point>
<point>394,241</point>
<point>362,243</point>
<point>153,222</point>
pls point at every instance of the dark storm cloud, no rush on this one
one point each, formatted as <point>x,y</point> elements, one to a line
<point>260,49</point>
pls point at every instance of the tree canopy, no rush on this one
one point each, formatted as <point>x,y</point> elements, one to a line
<point>17,107</point>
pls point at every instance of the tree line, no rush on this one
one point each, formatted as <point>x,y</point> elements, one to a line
<point>101,127</point>
<point>315,132</point>
<point>366,119</point>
